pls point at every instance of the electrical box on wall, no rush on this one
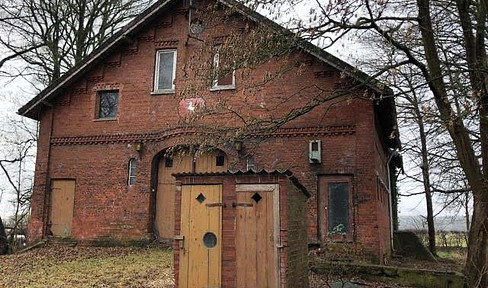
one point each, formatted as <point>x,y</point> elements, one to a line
<point>315,151</point>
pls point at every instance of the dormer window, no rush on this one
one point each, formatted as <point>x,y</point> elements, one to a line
<point>164,76</point>
<point>223,71</point>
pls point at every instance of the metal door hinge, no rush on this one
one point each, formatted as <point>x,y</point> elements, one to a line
<point>216,205</point>
<point>181,240</point>
<point>241,204</point>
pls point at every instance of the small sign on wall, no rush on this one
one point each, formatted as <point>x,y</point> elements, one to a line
<point>189,106</point>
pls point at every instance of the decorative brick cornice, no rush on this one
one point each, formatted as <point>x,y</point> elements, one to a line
<point>194,131</point>
<point>79,90</point>
<point>166,43</point>
<point>131,51</point>
<point>95,78</point>
<point>315,131</point>
<point>105,86</point>
<point>324,74</point>
<point>146,39</point>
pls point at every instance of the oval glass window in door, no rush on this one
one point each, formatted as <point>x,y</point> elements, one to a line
<point>209,240</point>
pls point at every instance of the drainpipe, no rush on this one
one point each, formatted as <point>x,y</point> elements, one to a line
<point>47,192</point>
<point>393,153</point>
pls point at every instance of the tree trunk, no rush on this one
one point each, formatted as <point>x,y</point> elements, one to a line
<point>476,269</point>
<point>3,239</point>
<point>425,176</point>
<point>466,210</point>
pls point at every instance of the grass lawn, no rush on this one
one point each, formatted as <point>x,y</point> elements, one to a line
<point>59,266</point>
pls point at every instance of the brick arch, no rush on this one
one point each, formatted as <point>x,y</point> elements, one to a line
<point>156,163</point>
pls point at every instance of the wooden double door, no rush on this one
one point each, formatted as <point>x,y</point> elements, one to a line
<point>256,237</point>
<point>213,161</point>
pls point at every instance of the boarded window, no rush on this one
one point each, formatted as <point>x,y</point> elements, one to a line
<point>132,172</point>
<point>165,71</point>
<point>107,104</point>
<point>338,201</point>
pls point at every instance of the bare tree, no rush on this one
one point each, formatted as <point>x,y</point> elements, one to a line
<point>60,34</point>
<point>19,140</point>
<point>3,239</point>
<point>442,40</point>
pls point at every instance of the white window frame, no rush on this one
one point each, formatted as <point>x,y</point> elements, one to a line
<point>250,163</point>
<point>215,81</point>
<point>156,89</point>
<point>130,176</point>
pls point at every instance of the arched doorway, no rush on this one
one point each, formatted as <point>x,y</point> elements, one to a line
<point>177,160</point>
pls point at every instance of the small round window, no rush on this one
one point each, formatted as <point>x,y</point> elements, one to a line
<point>209,240</point>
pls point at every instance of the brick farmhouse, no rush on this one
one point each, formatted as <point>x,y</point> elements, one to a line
<point>160,97</point>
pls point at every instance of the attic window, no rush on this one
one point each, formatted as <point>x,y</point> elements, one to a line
<point>250,164</point>
<point>164,75</point>
<point>168,162</point>
<point>107,104</point>
<point>219,160</point>
<point>223,71</point>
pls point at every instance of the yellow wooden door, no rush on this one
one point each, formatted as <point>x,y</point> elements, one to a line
<point>211,161</point>
<point>257,236</point>
<point>62,201</point>
<point>200,257</point>
<point>165,196</point>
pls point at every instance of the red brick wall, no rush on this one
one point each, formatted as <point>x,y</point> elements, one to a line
<point>296,247</point>
<point>96,153</point>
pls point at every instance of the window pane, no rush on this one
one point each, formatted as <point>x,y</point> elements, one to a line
<point>226,80</point>
<point>168,162</point>
<point>132,171</point>
<point>165,77</point>
<point>223,69</point>
<point>250,163</point>
<point>219,160</point>
<point>108,104</point>
<point>338,208</point>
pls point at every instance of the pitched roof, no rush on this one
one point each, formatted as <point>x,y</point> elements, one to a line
<point>32,108</point>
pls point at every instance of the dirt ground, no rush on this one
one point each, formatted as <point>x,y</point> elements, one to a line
<point>62,266</point>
